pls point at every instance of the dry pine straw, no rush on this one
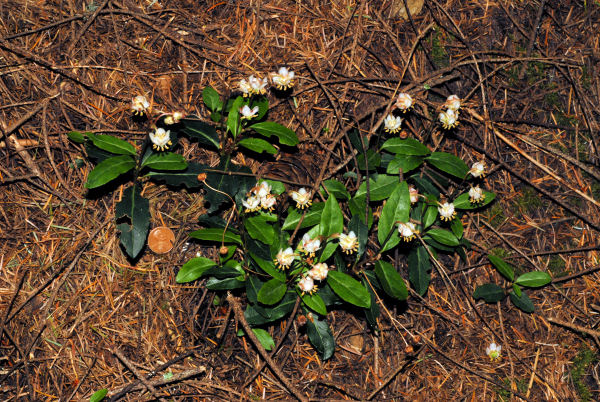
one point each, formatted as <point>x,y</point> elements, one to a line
<point>72,320</point>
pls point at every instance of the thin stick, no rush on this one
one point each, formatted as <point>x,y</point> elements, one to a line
<point>139,375</point>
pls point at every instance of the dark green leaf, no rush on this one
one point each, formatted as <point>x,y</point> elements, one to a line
<point>349,289</point>
<point>211,99</point>
<point>231,269</point>
<point>362,233</point>
<point>406,163</point>
<point>187,178</point>
<point>257,315</point>
<point>272,292</point>
<point>263,106</point>
<point>113,144</point>
<point>76,136</point>
<point>523,302</point>
<point>233,117</point>
<point>358,206</point>
<point>489,292</point>
<point>109,169</point>
<point>355,140</point>
<point>194,269</point>
<point>390,280</point>
<point>237,186</point>
<point>264,338</point>
<point>332,219</point>
<point>258,145</point>
<point>462,201</point>
<point>312,217</point>
<point>534,279</point>
<point>137,209</point>
<point>430,216</point>
<point>380,188</point>
<point>408,146</point>
<point>258,228</point>
<point>320,336</point>
<point>269,267</point>
<point>504,268</point>
<point>373,160</point>
<point>197,130</point>
<point>517,289</point>
<point>253,285</point>
<point>449,163</point>
<point>216,234</point>
<point>269,128</point>
<point>337,188</point>
<point>165,161</point>
<point>99,395</point>
<point>224,284</point>
<point>418,269</point>
<point>371,313</point>
<point>444,236</point>
<point>396,209</point>
<point>315,303</point>
<point>457,227</point>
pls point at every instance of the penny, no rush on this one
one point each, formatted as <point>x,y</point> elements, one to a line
<point>160,240</point>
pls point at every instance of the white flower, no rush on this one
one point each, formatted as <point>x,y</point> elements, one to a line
<point>404,101</point>
<point>407,230</point>
<point>452,103</point>
<point>478,169</point>
<point>251,204</point>
<point>319,271</point>
<point>245,88</point>
<point>302,198</point>
<point>139,105</point>
<point>447,212</point>
<point>248,113</point>
<point>392,123</point>
<point>349,242</point>
<point>449,119</point>
<point>173,118</point>
<point>476,195</point>
<point>268,202</point>
<point>283,79</point>
<point>285,258</point>
<point>414,194</point>
<point>262,190</point>
<point>161,139</point>
<point>310,246</point>
<point>257,85</point>
<point>307,285</point>
<point>493,351</point>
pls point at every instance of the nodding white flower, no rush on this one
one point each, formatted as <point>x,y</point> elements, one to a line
<point>257,85</point>
<point>139,105</point>
<point>310,246</point>
<point>407,230</point>
<point>283,79</point>
<point>319,271</point>
<point>414,194</point>
<point>349,242</point>
<point>493,351</point>
<point>478,169</point>
<point>302,198</point>
<point>452,103</point>
<point>404,101</point>
<point>307,285</point>
<point>447,212</point>
<point>248,113</point>
<point>449,119</point>
<point>262,190</point>
<point>268,202</point>
<point>285,258</point>
<point>245,88</point>
<point>251,204</point>
<point>392,123</point>
<point>173,118</point>
<point>476,195</point>
<point>161,139</point>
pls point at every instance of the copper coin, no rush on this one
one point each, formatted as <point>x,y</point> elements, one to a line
<point>160,240</point>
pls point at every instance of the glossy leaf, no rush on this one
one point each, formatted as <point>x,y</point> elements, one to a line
<point>444,237</point>
<point>449,163</point>
<point>257,315</point>
<point>211,99</point>
<point>462,201</point>
<point>315,303</point>
<point>272,292</point>
<point>504,268</point>
<point>253,285</point>
<point>216,234</point>
<point>269,267</point>
<point>396,209</point>
<point>320,336</point>
<point>406,163</point>
<point>199,131</point>
<point>337,188</point>
<point>194,269</point>
<point>136,208</point>
<point>187,178</point>
<point>332,219</point>
<point>430,216</point>
<point>269,128</point>
<point>362,233</point>
<point>379,189</point>
<point>165,161</point>
<point>224,284</point>
<point>457,228</point>
<point>523,302</point>
<point>373,312</point>
<point>76,136</point>
<point>99,395</point>
<point>534,279</point>
<point>408,146</point>
<point>418,269</point>
<point>311,218</point>
<point>233,117</point>
<point>349,289</point>
<point>109,169</point>
<point>489,292</point>
<point>373,160</point>
<point>258,228</point>
<point>264,338</point>
<point>390,280</point>
<point>237,186</point>
<point>258,145</point>
<point>113,144</point>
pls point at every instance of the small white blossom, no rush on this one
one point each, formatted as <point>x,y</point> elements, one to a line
<point>407,230</point>
<point>263,189</point>
<point>283,79</point>
<point>161,139</point>
<point>307,285</point>
<point>392,123</point>
<point>302,198</point>
<point>404,101</point>
<point>310,246</point>
<point>447,212</point>
<point>319,271</point>
<point>452,103</point>
<point>248,113</point>
<point>449,119</point>
<point>173,118</point>
<point>478,169</point>
<point>245,88</point>
<point>414,194</point>
<point>268,202</point>
<point>476,195</point>
<point>257,85</point>
<point>285,258</point>
<point>251,204</point>
<point>139,105</point>
<point>493,351</point>
<point>349,242</point>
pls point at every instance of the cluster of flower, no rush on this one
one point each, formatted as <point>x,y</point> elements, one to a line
<point>282,80</point>
<point>393,123</point>
<point>260,197</point>
<point>476,194</point>
<point>161,138</point>
<point>449,118</point>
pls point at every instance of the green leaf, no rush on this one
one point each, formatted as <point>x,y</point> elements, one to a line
<point>231,269</point>
<point>349,289</point>
<point>357,207</point>
<point>449,163</point>
<point>315,303</point>
<point>373,160</point>
<point>258,145</point>
<point>211,99</point>
<point>430,216</point>
<point>408,146</point>
<point>137,209</point>
<point>320,336</point>
<point>396,209</point>
<point>99,395</point>
<point>76,136</point>
<point>194,269</point>
<point>224,284</point>
<point>406,163</point>
<point>312,217</point>
<point>257,315</point>
<point>337,188</point>
<point>489,292</point>
<point>517,289</point>
<point>534,279</point>
<point>216,234</point>
<point>328,251</point>
<point>253,285</point>
<point>197,130</point>
<point>444,236</point>
<point>418,269</point>
<point>237,186</point>
<point>269,128</point>
<point>165,161</point>
<point>390,280</point>
<point>457,228</point>
<point>258,228</point>
<point>268,267</point>
<point>113,144</point>
<point>109,169</point>
<point>362,233</point>
<point>264,338</point>
<point>187,178</point>
<point>504,268</point>
<point>380,188</point>
<point>233,117</point>
<point>263,106</point>
<point>332,219</point>
<point>272,292</point>
<point>277,187</point>
<point>523,302</point>
<point>462,201</point>
<point>373,312</point>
